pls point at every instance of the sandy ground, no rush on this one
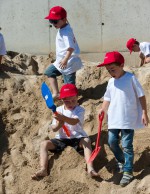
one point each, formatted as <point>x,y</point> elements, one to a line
<point>24,123</point>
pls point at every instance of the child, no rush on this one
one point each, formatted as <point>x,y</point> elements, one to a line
<point>67,51</point>
<point>2,47</point>
<point>143,48</point>
<point>72,115</point>
<point>126,104</point>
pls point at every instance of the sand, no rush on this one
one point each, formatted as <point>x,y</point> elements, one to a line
<point>24,123</point>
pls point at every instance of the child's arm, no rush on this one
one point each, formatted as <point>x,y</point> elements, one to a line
<point>104,107</point>
<point>58,125</point>
<point>70,121</point>
<point>63,62</point>
<point>145,119</point>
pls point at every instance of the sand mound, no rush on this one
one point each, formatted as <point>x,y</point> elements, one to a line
<point>24,123</point>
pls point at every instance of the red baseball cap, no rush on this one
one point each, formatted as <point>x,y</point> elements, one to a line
<point>112,57</point>
<point>130,44</point>
<point>56,13</point>
<point>68,90</point>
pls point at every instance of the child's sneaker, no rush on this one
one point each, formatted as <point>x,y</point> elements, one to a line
<point>126,179</point>
<point>120,167</point>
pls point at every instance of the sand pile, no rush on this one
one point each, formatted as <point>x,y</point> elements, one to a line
<point>24,123</point>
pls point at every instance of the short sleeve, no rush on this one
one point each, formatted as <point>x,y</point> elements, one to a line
<point>69,40</point>
<point>137,87</point>
<point>79,113</point>
<point>147,49</point>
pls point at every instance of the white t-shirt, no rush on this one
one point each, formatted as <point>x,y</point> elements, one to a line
<point>76,131</point>
<point>2,45</point>
<point>145,48</point>
<point>125,111</point>
<point>65,39</point>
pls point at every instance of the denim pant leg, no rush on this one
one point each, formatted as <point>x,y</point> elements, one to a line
<point>71,78</point>
<point>113,142</point>
<point>127,145</point>
<point>52,71</point>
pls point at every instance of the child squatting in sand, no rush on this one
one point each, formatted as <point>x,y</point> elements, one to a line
<point>125,104</point>
<point>72,115</point>
<point>142,47</point>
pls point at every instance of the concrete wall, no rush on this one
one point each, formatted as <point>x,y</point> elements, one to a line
<point>99,25</point>
<point>23,25</point>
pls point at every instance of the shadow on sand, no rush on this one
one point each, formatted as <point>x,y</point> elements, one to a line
<point>3,139</point>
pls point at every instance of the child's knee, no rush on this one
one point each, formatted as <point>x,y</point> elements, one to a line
<point>45,144</point>
<point>85,142</point>
<point>112,143</point>
<point>141,55</point>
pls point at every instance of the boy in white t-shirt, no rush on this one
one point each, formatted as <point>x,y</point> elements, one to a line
<point>125,104</point>
<point>72,115</point>
<point>2,47</point>
<point>143,48</point>
<point>67,51</point>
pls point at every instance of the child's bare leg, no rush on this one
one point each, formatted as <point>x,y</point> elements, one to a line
<point>86,144</point>
<point>45,146</point>
<point>54,85</point>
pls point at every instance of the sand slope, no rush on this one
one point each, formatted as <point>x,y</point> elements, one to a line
<point>24,123</point>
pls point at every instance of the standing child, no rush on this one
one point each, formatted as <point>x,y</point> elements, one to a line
<point>72,115</point>
<point>125,102</point>
<point>143,48</point>
<point>67,51</point>
<point>2,47</point>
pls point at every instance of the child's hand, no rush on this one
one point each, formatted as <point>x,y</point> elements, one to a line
<point>145,119</point>
<point>63,63</point>
<point>60,124</point>
<point>100,111</point>
<point>59,116</point>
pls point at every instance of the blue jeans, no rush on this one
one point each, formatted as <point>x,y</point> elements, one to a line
<point>124,155</point>
<point>52,71</point>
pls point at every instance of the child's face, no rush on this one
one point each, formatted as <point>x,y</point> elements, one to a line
<point>136,48</point>
<point>115,71</point>
<point>70,102</point>
<point>60,23</point>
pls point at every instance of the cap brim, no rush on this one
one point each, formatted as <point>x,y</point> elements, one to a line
<point>101,65</point>
<point>68,95</point>
<point>47,17</point>
<point>52,18</point>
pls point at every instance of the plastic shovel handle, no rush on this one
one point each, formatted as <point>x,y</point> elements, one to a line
<point>101,117</point>
<point>64,127</point>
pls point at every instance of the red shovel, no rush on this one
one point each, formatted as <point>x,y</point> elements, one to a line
<point>97,147</point>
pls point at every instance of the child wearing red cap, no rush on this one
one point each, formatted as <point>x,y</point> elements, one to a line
<point>67,51</point>
<point>2,47</point>
<point>125,104</point>
<point>72,115</point>
<point>143,48</point>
